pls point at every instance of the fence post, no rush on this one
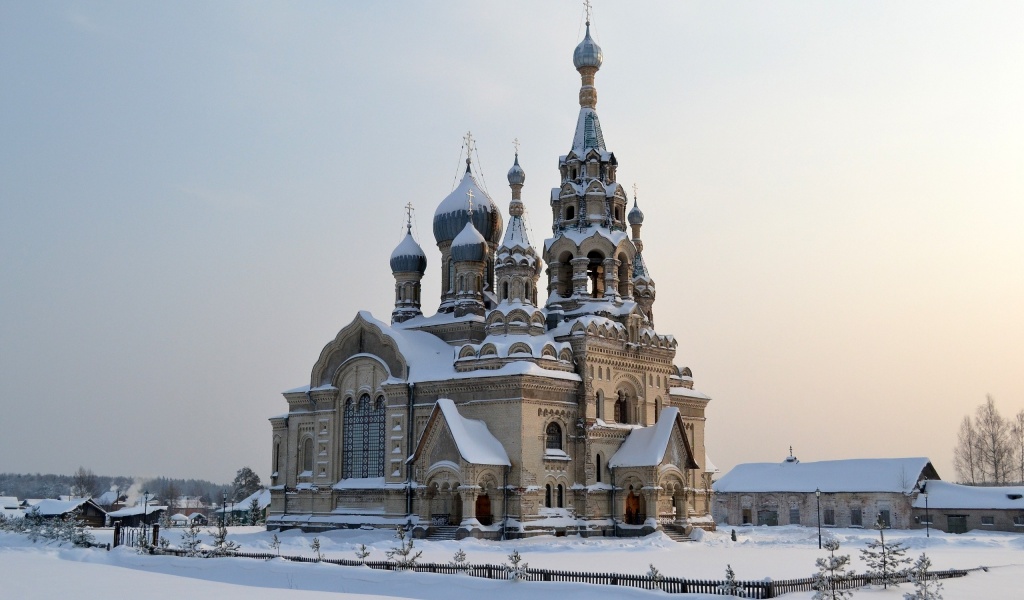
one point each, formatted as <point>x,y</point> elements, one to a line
<point>156,533</point>
<point>117,534</point>
<point>769,588</point>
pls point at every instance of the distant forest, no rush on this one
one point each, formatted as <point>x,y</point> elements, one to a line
<point>51,486</point>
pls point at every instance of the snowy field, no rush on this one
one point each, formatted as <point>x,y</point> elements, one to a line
<point>39,571</point>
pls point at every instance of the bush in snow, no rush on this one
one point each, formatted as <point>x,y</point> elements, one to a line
<point>832,572</point>
<point>275,545</point>
<point>885,561</point>
<point>315,546</point>
<point>459,561</point>
<point>221,544</point>
<point>255,514</point>
<point>926,587</point>
<point>516,568</point>
<point>731,587</point>
<point>362,552</point>
<point>34,524</point>
<point>655,576</point>
<point>403,554</point>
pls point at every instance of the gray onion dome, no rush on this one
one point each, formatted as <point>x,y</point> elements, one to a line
<point>469,245</point>
<point>408,257</point>
<point>587,53</point>
<point>516,175</point>
<point>453,214</point>
<point>635,216</point>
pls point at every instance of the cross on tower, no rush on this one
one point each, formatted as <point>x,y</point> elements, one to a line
<point>634,192</point>
<point>588,9</point>
<point>469,194</point>
<point>515,143</point>
<point>408,217</point>
<point>467,140</point>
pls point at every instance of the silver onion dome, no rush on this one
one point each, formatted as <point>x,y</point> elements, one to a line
<point>587,53</point>
<point>408,257</point>
<point>635,216</point>
<point>469,245</point>
<point>516,175</point>
<point>452,214</point>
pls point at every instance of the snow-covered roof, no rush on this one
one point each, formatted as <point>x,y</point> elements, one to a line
<point>261,496</point>
<point>579,235</point>
<point>52,508</point>
<point>11,502</point>
<point>646,446</point>
<point>106,498</point>
<point>688,393</point>
<point>945,495</point>
<point>136,510</point>
<point>476,443</point>
<point>897,475</point>
<point>709,466</point>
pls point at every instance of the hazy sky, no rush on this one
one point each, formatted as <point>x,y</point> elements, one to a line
<point>196,196</point>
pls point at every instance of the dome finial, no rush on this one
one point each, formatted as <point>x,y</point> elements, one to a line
<point>588,9</point>
<point>408,218</point>
<point>635,216</point>
<point>467,141</point>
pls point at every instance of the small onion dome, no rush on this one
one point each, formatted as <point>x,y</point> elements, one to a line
<point>587,53</point>
<point>453,214</point>
<point>635,216</point>
<point>516,175</point>
<point>408,257</point>
<point>469,245</point>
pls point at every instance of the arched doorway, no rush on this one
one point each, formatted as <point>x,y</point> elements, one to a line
<point>483,509</point>
<point>634,513</point>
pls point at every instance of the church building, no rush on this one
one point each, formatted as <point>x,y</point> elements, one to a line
<point>497,416</point>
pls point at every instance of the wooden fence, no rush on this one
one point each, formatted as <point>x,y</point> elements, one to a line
<point>766,588</point>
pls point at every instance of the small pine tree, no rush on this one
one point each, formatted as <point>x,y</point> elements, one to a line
<point>275,545</point>
<point>221,544</point>
<point>34,524</point>
<point>731,587</point>
<point>403,554</point>
<point>362,553</point>
<point>316,548</point>
<point>255,514</point>
<point>832,571</point>
<point>165,520</point>
<point>885,561</point>
<point>190,540</point>
<point>516,568</point>
<point>926,587</point>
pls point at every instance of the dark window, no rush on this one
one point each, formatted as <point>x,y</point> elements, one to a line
<point>855,518</point>
<point>547,495</point>
<point>794,516</point>
<point>746,516</point>
<point>829,516</point>
<point>570,213</point>
<point>554,437</point>
<point>1018,521</point>
<point>561,496</point>
<point>884,518</point>
<point>598,461</point>
<point>989,520</point>
<point>768,517</point>
<point>363,438</point>
<point>307,455</point>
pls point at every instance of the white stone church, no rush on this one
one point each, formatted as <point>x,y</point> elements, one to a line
<point>498,417</point>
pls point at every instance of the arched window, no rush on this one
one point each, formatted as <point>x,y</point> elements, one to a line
<point>307,455</point>
<point>547,495</point>
<point>597,465</point>
<point>570,213</point>
<point>462,283</point>
<point>657,409</point>
<point>451,274</point>
<point>599,401</point>
<point>621,412</point>
<point>595,274</point>
<point>561,496</point>
<point>554,437</point>
<point>363,438</point>
<point>277,457</point>
<point>504,290</point>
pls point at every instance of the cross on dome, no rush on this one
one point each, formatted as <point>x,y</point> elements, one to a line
<point>469,194</point>
<point>408,217</point>
<point>588,9</point>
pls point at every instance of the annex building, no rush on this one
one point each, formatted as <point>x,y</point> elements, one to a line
<point>498,416</point>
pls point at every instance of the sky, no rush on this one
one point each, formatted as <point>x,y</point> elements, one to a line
<point>197,196</point>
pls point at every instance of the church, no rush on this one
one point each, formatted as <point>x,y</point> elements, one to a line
<point>498,417</point>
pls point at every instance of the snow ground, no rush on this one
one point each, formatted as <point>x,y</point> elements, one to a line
<point>40,571</point>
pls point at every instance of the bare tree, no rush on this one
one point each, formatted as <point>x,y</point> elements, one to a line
<point>965,454</point>
<point>1017,442</point>
<point>84,483</point>
<point>993,442</point>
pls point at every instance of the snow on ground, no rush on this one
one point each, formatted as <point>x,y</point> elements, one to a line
<point>40,571</point>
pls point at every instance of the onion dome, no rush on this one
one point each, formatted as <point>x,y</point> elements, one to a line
<point>635,216</point>
<point>587,53</point>
<point>452,214</point>
<point>408,257</point>
<point>516,175</point>
<point>469,244</point>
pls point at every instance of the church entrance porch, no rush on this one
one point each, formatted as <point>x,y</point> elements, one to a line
<point>635,512</point>
<point>483,510</point>
<point>445,504</point>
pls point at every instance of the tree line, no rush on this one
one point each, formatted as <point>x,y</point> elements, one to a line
<point>990,448</point>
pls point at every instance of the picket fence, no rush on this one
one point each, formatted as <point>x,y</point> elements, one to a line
<point>766,588</point>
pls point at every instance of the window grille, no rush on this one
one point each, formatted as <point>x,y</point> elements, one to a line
<point>363,438</point>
